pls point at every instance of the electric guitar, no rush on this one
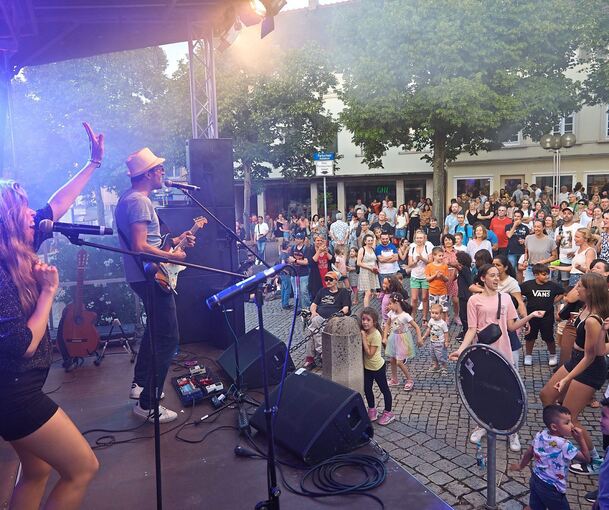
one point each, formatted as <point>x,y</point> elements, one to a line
<point>77,335</point>
<point>167,275</point>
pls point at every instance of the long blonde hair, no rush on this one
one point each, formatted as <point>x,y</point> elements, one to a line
<point>16,254</point>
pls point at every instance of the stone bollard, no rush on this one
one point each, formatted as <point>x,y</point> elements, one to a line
<point>342,353</point>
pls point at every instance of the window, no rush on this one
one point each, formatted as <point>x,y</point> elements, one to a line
<point>595,183</point>
<point>473,186</point>
<point>515,139</point>
<point>565,125</point>
<point>544,181</point>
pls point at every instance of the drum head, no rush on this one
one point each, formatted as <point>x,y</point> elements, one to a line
<point>491,390</point>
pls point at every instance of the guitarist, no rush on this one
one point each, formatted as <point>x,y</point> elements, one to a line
<point>139,230</point>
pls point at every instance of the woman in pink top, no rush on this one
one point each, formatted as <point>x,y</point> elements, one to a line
<point>482,311</point>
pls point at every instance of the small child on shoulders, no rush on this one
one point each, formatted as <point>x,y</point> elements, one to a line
<point>552,454</point>
<point>437,331</point>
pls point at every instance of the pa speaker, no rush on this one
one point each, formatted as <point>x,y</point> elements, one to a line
<point>317,418</point>
<point>250,362</point>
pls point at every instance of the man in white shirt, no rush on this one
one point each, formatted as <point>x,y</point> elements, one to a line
<point>261,231</point>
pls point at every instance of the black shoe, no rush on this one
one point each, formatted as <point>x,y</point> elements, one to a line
<point>591,496</point>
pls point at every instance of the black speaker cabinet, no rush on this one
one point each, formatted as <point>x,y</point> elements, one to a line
<point>317,418</point>
<point>250,363</point>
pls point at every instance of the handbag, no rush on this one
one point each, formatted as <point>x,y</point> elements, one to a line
<point>492,332</point>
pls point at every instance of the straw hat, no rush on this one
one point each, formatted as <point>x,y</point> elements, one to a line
<point>141,161</point>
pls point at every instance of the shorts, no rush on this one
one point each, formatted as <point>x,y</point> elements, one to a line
<point>595,375</point>
<point>574,278</point>
<point>440,300</point>
<point>543,495</point>
<point>543,326</point>
<point>418,283</point>
<point>23,406</point>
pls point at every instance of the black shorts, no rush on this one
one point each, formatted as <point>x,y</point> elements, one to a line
<point>595,375</point>
<point>543,325</point>
<point>23,406</point>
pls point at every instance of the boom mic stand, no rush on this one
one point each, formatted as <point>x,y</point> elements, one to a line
<point>238,395</point>
<point>150,270</point>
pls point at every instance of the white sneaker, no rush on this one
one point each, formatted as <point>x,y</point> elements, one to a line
<point>477,435</point>
<point>528,360</point>
<point>553,361</point>
<point>165,415</point>
<point>420,306</point>
<point>136,391</point>
<point>515,443</point>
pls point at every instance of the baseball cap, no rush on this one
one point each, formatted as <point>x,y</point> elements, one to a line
<point>299,235</point>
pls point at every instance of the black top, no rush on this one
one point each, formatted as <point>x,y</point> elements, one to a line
<point>514,247</point>
<point>472,219</point>
<point>328,303</point>
<point>434,235</point>
<point>386,228</point>
<point>464,280</point>
<point>315,282</point>
<point>15,336</point>
<point>541,297</point>
<point>301,253</point>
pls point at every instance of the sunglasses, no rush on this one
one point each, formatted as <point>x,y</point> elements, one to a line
<point>329,279</point>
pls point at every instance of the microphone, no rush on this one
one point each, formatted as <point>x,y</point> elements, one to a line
<point>217,299</point>
<point>73,229</point>
<point>182,185</point>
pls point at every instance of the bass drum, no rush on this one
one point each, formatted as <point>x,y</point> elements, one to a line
<point>491,390</point>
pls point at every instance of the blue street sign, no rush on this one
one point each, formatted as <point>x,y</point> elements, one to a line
<point>323,156</point>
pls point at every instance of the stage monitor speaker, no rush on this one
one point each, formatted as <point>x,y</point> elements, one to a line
<point>317,418</point>
<point>250,363</point>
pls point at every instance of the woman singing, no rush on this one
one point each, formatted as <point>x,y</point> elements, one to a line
<point>41,434</point>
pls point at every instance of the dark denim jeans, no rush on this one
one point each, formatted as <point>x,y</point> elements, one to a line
<point>286,289</point>
<point>166,337</point>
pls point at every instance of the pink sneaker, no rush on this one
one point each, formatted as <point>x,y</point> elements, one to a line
<point>373,414</point>
<point>386,418</point>
<point>392,382</point>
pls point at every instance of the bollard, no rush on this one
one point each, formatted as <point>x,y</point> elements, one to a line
<point>342,353</point>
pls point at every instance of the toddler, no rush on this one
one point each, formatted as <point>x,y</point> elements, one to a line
<point>437,331</point>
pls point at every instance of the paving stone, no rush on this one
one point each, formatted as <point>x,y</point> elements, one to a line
<point>464,460</point>
<point>476,499</point>
<point>445,465</point>
<point>440,478</point>
<point>500,495</point>
<point>457,488</point>
<point>426,469</point>
<point>460,473</point>
<point>434,444</point>
<point>449,452</point>
<point>514,488</point>
<point>475,482</point>
<point>513,504</point>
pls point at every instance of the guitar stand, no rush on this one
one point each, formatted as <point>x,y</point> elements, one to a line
<point>124,340</point>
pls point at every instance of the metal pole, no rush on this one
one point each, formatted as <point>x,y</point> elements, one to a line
<point>491,471</point>
<point>210,85</point>
<point>325,202</point>
<point>558,170</point>
<point>192,80</point>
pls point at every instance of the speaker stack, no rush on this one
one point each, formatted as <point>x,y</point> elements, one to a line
<point>317,418</point>
<point>210,164</point>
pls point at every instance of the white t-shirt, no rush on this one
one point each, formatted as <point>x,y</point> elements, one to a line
<point>567,243</point>
<point>418,271</point>
<point>437,330</point>
<point>261,229</point>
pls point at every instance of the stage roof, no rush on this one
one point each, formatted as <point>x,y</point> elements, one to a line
<point>42,31</point>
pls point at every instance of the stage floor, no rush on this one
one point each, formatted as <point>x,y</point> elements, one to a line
<point>206,474</point>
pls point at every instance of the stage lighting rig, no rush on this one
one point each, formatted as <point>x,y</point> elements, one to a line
<point>269,9</point>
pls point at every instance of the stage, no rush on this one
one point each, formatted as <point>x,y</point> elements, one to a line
<point>203,474</point>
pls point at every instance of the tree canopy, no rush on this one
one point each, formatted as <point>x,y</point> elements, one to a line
<point>447,76</point>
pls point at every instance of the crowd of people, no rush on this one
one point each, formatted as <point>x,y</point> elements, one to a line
<point>544,267</point>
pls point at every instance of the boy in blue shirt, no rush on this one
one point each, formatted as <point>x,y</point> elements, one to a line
<point>552,454</point>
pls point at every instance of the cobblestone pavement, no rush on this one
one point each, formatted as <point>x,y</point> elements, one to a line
<point>430,436</point>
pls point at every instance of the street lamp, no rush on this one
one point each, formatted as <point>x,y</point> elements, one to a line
<point>555,143</point>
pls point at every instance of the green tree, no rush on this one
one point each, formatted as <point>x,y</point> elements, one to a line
<point>123,95</point>
<point>449,76</point>
<point>278,118</point>
<point>594,32</point>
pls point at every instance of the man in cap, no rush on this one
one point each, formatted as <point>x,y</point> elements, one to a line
<point>328,301</point>
<point>139,230</point>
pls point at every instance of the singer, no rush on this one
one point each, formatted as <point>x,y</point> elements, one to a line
<point>139,230</point>
<point>40,432</point>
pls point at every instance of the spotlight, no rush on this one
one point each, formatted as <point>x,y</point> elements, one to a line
<point>268,7</point>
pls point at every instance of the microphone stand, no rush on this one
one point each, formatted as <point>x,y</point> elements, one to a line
<point>238,394</point>
<point>150,269</point>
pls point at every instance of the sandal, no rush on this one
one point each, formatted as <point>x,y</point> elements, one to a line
<point>595,404</point>
<point>409,385</point>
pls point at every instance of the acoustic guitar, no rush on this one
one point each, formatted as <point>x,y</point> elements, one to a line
<point>167,275</point>
<point>77,329</point>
